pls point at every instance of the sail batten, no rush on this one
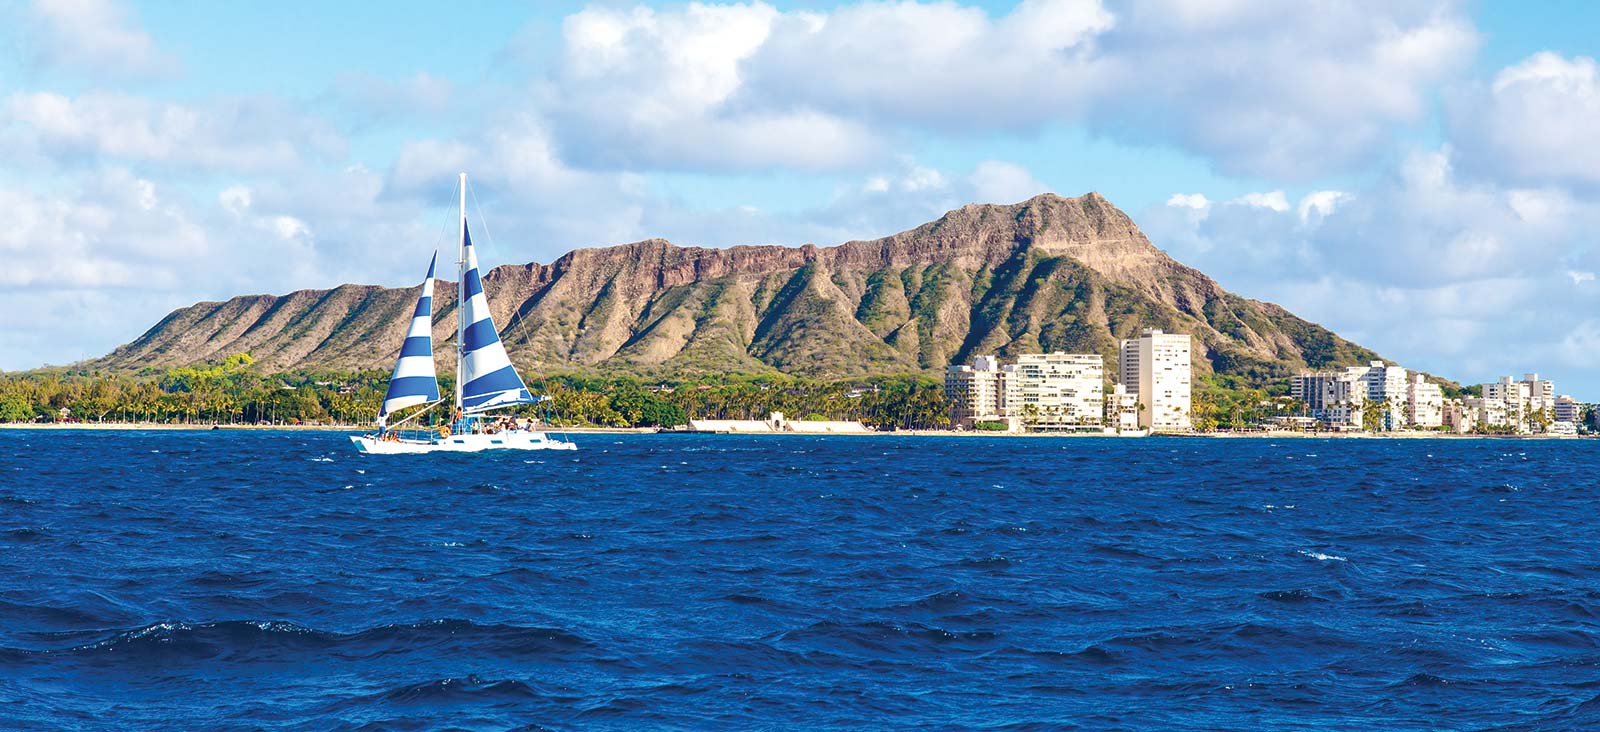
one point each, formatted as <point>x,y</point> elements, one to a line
<point>414,380</point>
<point>488,380</point>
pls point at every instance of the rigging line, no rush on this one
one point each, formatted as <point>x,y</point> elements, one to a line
<point>516,314</point>
<point>444,227</point>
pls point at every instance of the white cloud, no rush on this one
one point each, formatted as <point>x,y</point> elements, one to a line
<point>1272,201</point>
<point>1540,206</point>
<point>236,135</point>
<point>655,89</point>
<point>1319,204</point>
<point>1449,275</point>
<point>1196,201</point>
<point>1278,89</point>
<point>115,232</point>
<point>112,253</point>
<point>1259,87</point>
<point>995,181</point>
<point>1538,121</point>
<point>98,37</point>
<point>886,202</point>
<point>939,66</point>
<point>238,202</point>
<point>235,200</point>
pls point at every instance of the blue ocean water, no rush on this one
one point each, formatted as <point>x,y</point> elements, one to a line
<point>278,581</point>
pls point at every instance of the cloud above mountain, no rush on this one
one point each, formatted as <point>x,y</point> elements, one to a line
<point>1459,276</point>
<point>1260,88</point>
<point>1360,161</point>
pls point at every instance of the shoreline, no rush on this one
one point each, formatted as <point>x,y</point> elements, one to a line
<point>1274,435</point>
<point>158,427</point>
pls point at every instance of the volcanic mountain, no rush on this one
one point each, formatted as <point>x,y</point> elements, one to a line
<point>1047,274</point>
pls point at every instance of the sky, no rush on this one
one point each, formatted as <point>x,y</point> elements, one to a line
<point>1421,176</point>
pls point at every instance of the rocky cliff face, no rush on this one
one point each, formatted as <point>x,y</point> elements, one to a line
<point>1050,273</point>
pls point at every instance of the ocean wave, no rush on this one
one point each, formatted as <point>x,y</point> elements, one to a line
<point>1290,596</point>
<point>993,561</point>
<point>469,688</point>
<point>1423,679</point>
<point>265,639</point>
<point>879,636</point>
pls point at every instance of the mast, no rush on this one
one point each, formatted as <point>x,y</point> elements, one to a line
<point>461,290</point>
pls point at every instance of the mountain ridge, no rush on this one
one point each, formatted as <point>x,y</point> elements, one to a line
<point>1049,273</point>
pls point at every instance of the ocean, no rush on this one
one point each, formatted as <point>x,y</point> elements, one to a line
<point>244,580</point>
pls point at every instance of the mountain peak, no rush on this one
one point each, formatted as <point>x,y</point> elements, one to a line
<point>1048,273</point>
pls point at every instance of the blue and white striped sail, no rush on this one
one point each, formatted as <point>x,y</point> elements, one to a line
<point>414,380</point>
<point>488,379</point>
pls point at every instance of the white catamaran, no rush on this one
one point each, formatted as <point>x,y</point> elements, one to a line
<point>485,379</point>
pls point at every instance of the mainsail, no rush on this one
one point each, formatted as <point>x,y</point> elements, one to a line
<point>486,377</point>
<point>414,381</point>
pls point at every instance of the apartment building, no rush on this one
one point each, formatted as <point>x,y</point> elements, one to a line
<point>1155,368</point>
<point>1424,403</point>
<point>1568,410</point>
<point>1122,410</point>
<point>1332,397</point>
<point>1057,391</point>
<point>976,392</point>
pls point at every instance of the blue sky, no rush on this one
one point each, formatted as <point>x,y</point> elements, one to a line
<point>1423,176</point>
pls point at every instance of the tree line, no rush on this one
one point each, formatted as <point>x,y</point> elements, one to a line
<point>236,392</point>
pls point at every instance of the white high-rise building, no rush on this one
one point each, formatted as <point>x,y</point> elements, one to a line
<point>1342,398</point>
<point>1156,368</point>
<point>1505,403</point>
<point>1387,384</point>
<point>1541,402</point>
<point>1508,391</point>
<point>1053,391</point>
<point>976,392</point>
<point>1383,381</point>
<point>1424,402</point>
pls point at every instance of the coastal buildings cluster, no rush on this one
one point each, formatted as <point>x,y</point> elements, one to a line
<point>1069,392</point>
<point>1149,389</point>
<point>1382,397</point>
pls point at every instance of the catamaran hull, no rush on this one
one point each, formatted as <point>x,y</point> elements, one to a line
<point>514,440</point>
